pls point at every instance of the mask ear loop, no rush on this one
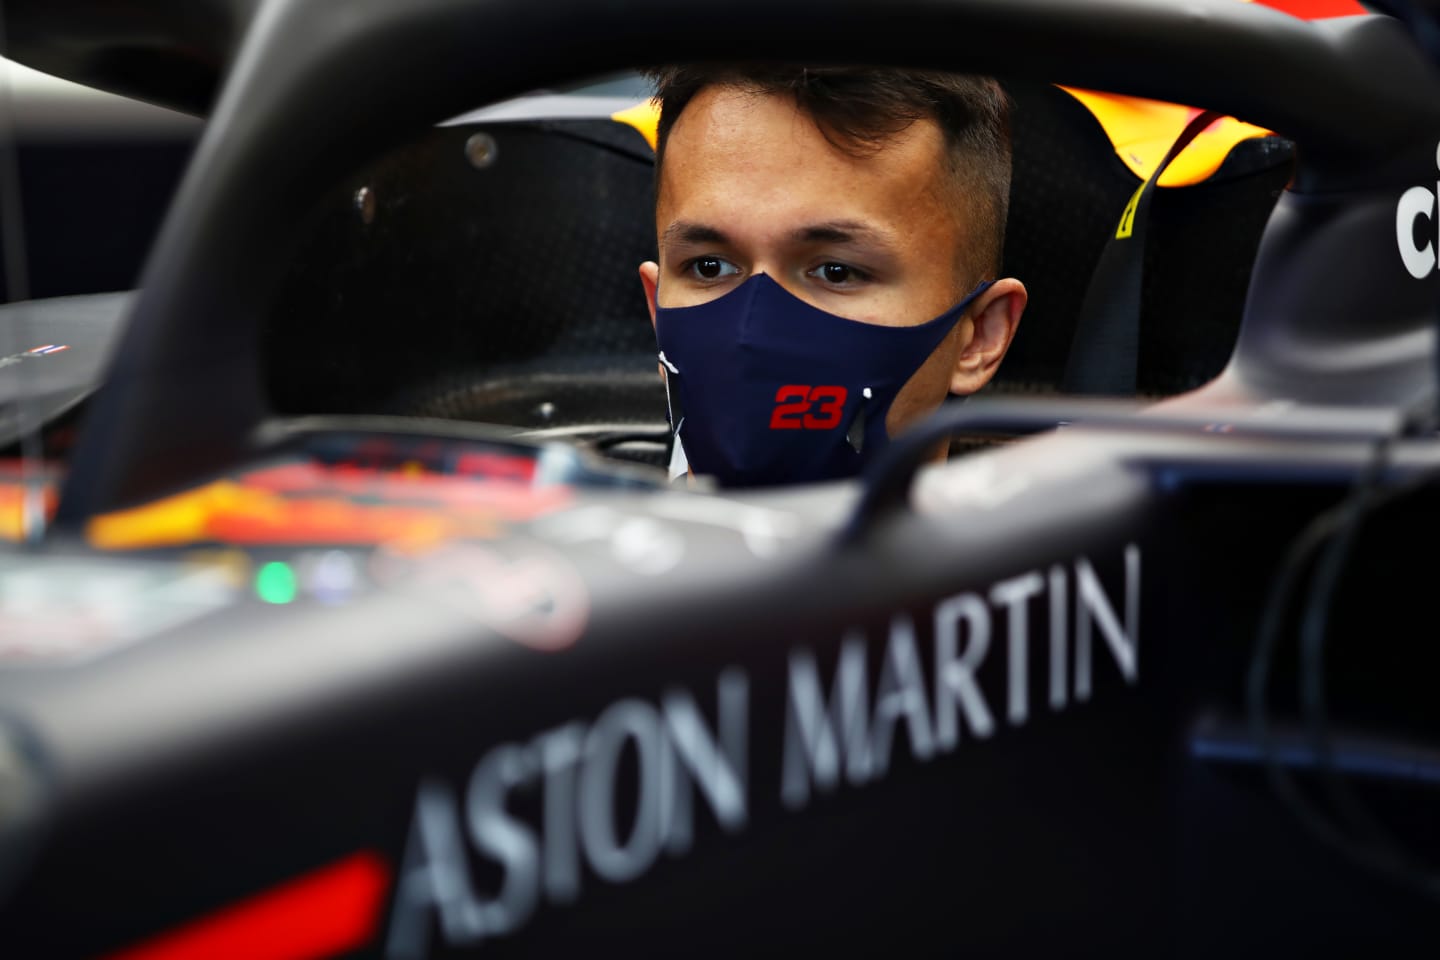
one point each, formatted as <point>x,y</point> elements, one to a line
<point>855,435</point>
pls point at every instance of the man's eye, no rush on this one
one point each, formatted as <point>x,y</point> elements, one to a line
<point>711,268</point>
<point>838,275</point>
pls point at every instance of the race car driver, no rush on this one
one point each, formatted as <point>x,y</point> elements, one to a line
<point>829,252</point>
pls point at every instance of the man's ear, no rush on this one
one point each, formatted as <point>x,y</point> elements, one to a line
<point>993,321</point>
<point>650,280</point>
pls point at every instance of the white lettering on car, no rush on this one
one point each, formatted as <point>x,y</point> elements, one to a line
<point>830,731</point>
<point>1417,203</point>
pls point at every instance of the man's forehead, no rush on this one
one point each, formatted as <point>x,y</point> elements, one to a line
<point>730,137</point>
<point>729,117</point>
<point>725,110</point>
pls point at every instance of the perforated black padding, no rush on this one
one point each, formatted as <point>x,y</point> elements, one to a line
<point>1068,190</point>
<point>466,276</point>
<point>1065,186</point>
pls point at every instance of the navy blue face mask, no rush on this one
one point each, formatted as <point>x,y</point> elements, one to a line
<point>765,388</point>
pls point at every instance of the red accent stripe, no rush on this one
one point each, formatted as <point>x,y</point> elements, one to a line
<point>323,913</point>
<point>1317,9</point>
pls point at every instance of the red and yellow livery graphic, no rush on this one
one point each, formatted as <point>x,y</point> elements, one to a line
<point>303,503</point>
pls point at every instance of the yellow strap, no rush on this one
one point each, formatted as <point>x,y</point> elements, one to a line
<point>1127,219</point>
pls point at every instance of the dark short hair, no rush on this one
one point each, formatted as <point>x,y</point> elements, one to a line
<point>859,108</point>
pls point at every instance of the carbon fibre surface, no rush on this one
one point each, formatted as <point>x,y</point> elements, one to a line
<point>464,275</point>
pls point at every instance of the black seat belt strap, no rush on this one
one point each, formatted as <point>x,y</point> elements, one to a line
<point>1105,354</point>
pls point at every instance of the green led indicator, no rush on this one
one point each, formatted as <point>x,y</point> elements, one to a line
<point>275,583</point>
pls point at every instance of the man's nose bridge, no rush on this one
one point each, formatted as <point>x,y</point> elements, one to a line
<point>766,246</point>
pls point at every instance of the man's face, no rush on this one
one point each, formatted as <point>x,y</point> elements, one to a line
<point>750,184</point>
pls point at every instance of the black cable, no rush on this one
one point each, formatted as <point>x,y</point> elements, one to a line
<point>1314,632</point>
<point>1262,658</point>
<point>1334,532</point>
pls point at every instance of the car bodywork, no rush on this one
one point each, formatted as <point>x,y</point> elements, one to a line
<point>305,686</point>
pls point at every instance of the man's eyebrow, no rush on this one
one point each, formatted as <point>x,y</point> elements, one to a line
<point>839,231</point>
<point>830,231</point>
<point>685,231</point>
